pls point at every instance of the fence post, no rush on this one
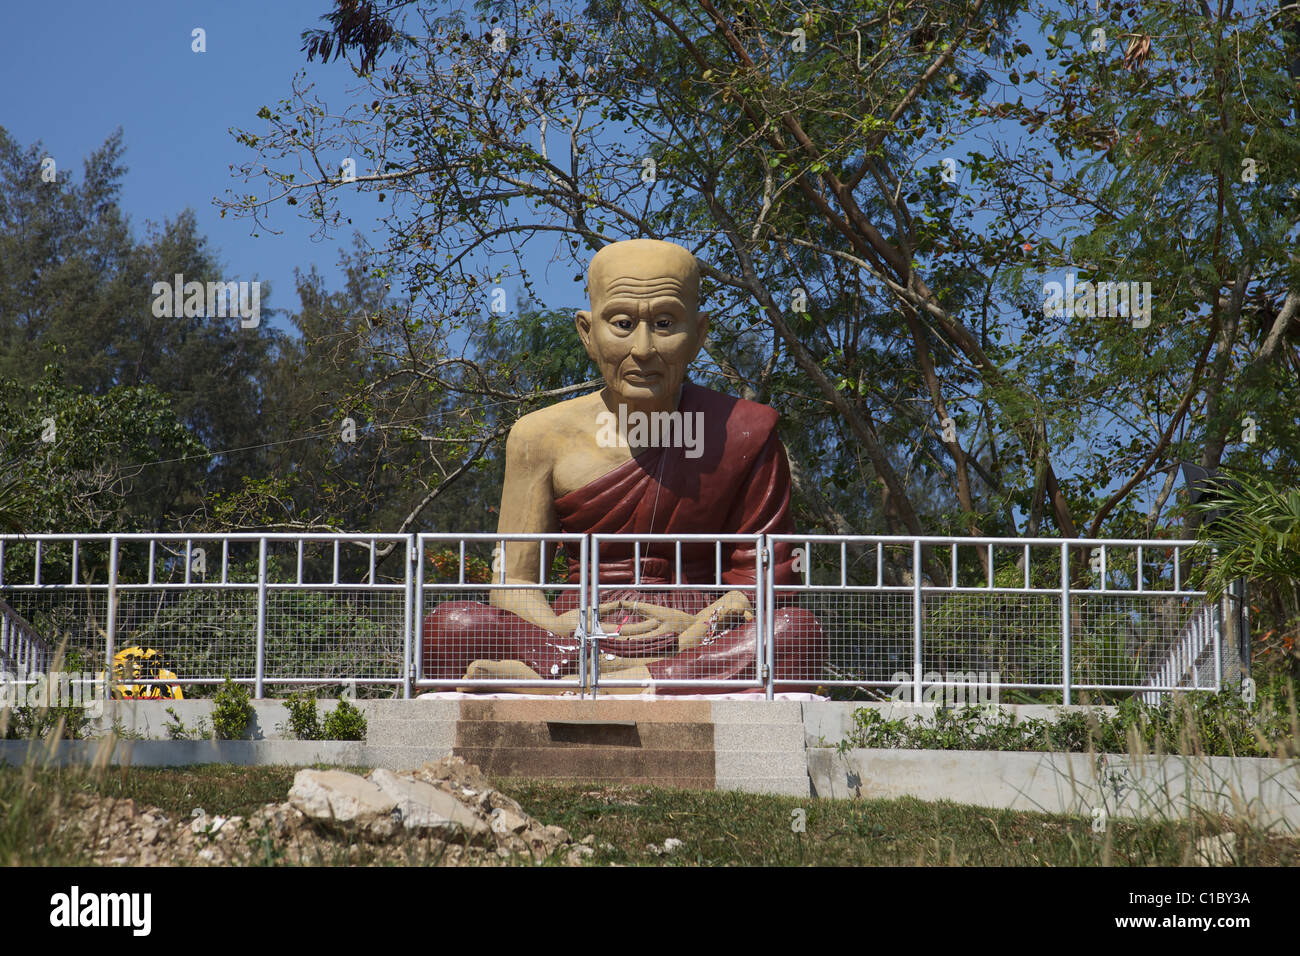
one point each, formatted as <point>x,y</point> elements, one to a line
<point>765,598</point>
<point>1066,695</point>
<point>110,633</point>
<point>408,617</point>
<point>590,617</point>
<point>1216,622</point>
<point>916,621</point>
<point>259,677</point>
<point>417,608</point>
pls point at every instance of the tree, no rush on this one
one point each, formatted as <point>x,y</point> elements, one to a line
<point>73,279</point>
<point>80,462</point>
<point>881,296</point>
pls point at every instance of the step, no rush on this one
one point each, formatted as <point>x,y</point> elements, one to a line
<point>566,735</point>
<point>669,768</point>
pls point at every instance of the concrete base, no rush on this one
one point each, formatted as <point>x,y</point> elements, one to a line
<point>754,745</point>
<point>728,744</point>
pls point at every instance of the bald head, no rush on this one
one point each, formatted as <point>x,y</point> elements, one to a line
<point>645,326</point>
<point>641,268</point>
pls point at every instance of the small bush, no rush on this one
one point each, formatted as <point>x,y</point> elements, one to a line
<point>37,723</point>
<point>303,722</point>
<point>345,722</point>
<point>231,711</point>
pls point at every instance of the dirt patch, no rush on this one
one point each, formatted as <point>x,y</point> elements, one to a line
<point>494,830</point>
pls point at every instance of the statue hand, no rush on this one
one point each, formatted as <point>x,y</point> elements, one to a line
<point>659,621</point>
<point>731,610</point>
<point>566,623</point>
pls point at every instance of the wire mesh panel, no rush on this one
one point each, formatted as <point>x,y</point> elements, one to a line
<point>867,636</point>
<point>201,634</point>
<point>54,587</point>
<point>189,611</point>
<point>1160,641</point>
<point>334,635</point>
<point>677,612</point>
<point>1004,638</point>
<point>71,625</point>
<point>1036,615</point>
<point>500,611</point>
<point>857,606</point>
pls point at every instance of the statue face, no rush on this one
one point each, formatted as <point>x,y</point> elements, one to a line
<point>644,328</point>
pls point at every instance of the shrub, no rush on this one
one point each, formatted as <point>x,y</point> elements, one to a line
<point>303,722</point>
<point>345,722</point>
<point>36,723</point>
<point>231,711</point>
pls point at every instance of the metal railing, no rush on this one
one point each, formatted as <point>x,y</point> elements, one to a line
<point>911,616</point>
<point>1028,614</point>
<point>21,648</point>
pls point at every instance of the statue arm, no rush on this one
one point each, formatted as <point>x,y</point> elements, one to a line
<point>528,507</point>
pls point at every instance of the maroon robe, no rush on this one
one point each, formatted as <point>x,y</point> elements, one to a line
<point>739,484</point>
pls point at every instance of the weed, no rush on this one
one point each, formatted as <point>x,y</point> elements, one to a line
<point>176,729</point>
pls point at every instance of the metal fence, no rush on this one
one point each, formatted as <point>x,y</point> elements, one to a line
<point>921,616</point>
<point>915,618</point>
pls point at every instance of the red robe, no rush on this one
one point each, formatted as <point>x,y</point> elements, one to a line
<point>739,484</point>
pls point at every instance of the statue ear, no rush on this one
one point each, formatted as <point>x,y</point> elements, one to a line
<point>702,332</point>
<point>582,321</point>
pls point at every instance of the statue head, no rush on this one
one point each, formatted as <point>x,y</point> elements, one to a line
<point>644,327</point>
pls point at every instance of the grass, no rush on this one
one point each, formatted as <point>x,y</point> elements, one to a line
<point>716,828</point>
<point>740,829</point>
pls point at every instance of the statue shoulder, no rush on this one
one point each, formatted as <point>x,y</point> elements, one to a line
<point>742,416</point>
<point>539,434</point>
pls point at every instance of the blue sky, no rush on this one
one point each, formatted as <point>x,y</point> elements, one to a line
<point>75,71</point>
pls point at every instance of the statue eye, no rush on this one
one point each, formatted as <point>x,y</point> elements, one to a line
<point>621,321</point>
<point>665,320</point>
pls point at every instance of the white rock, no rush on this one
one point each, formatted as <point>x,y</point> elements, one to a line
<point>426,807</point>
<point>333,796</point>
<point>505,821</point>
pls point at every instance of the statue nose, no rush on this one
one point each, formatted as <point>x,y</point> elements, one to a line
<point>642,341</point>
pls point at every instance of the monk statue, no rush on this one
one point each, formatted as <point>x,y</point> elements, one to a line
<point>651,453</point>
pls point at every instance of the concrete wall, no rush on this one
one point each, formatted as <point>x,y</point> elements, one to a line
<point>1123,786</point>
